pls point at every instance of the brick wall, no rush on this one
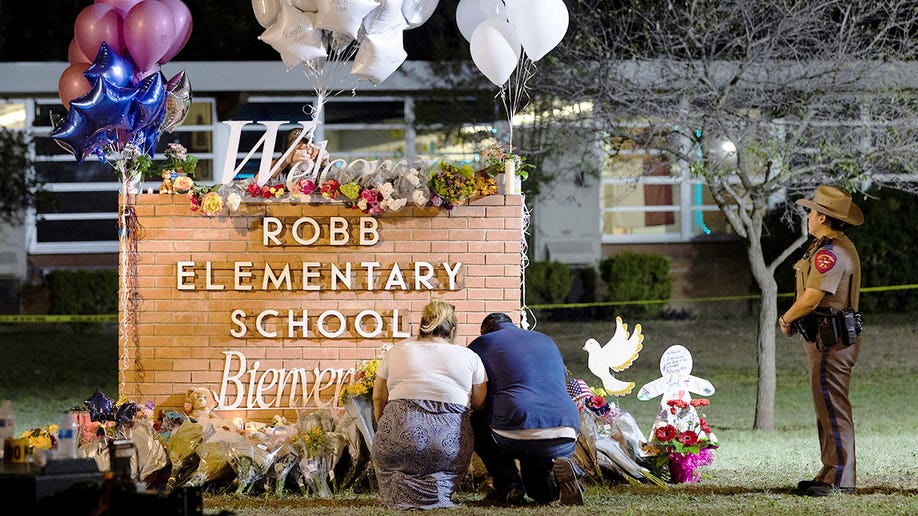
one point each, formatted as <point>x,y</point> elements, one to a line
<point>182,334</point>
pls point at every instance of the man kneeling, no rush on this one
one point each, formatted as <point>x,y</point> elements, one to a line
<point>528,416</point>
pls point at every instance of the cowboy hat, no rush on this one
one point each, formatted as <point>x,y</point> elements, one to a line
<point>835,203</point>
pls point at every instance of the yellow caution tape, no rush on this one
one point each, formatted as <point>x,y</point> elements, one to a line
<point>699,299</point>
<point>99,318</point>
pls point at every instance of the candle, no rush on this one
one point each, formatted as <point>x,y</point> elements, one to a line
<point>510,176</point>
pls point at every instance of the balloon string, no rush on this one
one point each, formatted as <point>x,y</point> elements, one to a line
<point>525,313</point>
<point>129,234</point>
<point>326,73</point>
<point>514,94</point>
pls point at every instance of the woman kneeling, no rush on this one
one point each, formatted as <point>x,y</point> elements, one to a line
<point>421,398</point>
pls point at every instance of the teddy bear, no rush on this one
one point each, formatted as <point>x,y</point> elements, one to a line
<point>198,403</point>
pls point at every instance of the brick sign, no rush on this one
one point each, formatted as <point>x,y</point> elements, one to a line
<point>272,307</point>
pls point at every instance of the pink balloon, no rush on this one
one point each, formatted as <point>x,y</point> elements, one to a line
<point>122,6</point>
<point>72,84</point>
<point>181,18</point>
<point>148,32</point>
<point>97,23</point>
<point>75,55</point>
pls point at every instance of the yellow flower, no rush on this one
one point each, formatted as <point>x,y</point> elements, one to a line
<point>211,203</point>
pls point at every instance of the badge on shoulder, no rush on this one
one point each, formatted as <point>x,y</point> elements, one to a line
<point>824,260</point>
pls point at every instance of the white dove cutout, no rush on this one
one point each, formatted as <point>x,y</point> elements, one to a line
<point>676,381</point>
<point>616,355</point>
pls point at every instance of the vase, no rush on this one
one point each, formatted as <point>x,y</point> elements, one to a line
<point>683,468</point>
<point>133,183</point>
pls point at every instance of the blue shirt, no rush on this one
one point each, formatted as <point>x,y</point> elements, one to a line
<point>527,381</point>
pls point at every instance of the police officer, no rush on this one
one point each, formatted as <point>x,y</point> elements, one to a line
<point>828,277</point>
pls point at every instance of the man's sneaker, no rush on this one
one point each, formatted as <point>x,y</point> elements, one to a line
<point>822,489</point>
<point>569,490</point>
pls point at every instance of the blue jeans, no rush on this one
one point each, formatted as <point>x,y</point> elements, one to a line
<point>536,459</point>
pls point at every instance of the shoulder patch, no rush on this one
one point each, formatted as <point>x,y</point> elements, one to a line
<point>824,260</point>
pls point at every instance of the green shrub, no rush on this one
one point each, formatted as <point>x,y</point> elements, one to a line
<point>547,282</point>
<point>83,291</point>
<point>632,276</point>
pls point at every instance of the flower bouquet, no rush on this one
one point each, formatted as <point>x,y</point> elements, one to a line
<point>682,441</point>
<point>214,458</point>
<point>250,461</point>
<point>451,184</point>
<point>181,446</point>
<point>314,469</point>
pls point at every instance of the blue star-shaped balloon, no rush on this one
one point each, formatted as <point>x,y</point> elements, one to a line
<point>79,136</point>
<point>106,106</point>
<point>101,407</point>
<point>118,70</point>
<point>150,102</point>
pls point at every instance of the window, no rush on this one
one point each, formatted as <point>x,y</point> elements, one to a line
<point>648,196</point>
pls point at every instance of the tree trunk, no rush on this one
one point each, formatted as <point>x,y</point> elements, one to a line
<point>765,340</point>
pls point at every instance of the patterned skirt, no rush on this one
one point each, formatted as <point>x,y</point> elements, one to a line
<point>422,451</point>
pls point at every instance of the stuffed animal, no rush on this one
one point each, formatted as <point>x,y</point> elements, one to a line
<point>166,186</point>
<point>199,403</point>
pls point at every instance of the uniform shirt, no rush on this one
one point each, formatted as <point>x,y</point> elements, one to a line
<point>431,370</point>
<point>829,268</point>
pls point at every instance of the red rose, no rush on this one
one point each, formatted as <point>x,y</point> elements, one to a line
<point>665,433</point>
<point>597,402</point>
<point>700,402</point>
<point>688,438</point>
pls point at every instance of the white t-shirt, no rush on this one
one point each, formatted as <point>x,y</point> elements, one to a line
<point>431,370</point>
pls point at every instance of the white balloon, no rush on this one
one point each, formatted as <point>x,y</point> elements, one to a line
<point>470,13</point>
<point>495,50</point>
<point>294,36</point>
<point>266,11</point>
<point>417,12</point>
<point>344,16</point>
<point>379,55</point>
<point>540,24</point>
<point>385,18</point>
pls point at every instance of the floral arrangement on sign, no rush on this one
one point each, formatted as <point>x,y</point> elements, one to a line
<point>683,442</point>
<point>387,189</point>
<point>177,172</point>
<point>495,156</point>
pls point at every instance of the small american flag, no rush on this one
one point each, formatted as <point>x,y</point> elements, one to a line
<point>578,390</point>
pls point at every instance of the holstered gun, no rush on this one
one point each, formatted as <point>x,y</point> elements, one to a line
<point>829,326</point>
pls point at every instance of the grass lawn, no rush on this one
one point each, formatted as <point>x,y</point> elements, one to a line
<point>47,369</point>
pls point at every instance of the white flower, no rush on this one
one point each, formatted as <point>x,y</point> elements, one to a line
<point>362,204</point>
<point>413,178</point>
<point>419,197</point>
<point>233,200</point>
<point>386,190</point>
<point>396,204</point>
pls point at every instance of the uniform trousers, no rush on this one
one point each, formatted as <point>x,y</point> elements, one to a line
<point>830,376</point>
